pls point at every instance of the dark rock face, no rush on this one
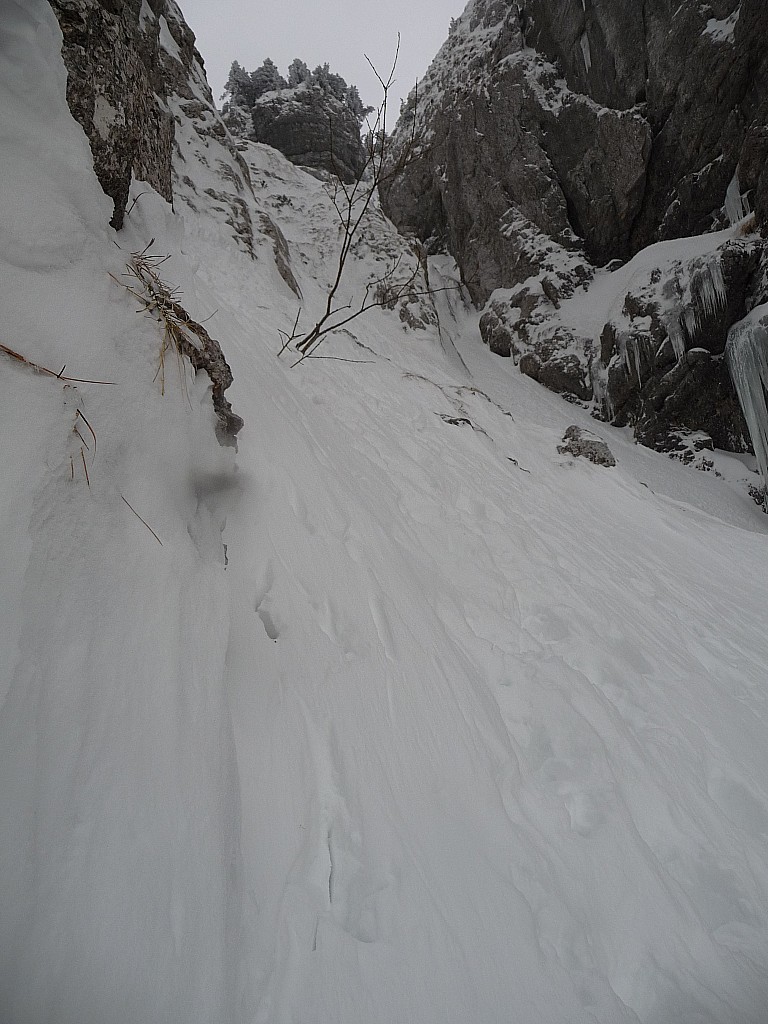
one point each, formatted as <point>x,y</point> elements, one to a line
<point>509,152</point>
<point>699,74</point>
<point>312,129</point>
<point>620,124</point>
<point>653,358</point>
<point>115,89</point>
<point>552,139</point>
<point>663,390</point>
<point>124,62</point>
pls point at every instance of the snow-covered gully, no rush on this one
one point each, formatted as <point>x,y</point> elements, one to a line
<point>408,717</point>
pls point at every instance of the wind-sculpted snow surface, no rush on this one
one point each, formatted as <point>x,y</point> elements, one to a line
<point>499,714</point>
<point>119,850</point>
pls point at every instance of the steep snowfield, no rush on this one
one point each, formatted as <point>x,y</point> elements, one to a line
<point>118,781</point>
<point>465,730</point>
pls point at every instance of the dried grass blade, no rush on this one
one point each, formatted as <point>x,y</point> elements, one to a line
<point>130,506</point>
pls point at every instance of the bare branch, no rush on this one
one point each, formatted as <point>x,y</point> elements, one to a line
<point>130,506</point>
<point>351,211</point>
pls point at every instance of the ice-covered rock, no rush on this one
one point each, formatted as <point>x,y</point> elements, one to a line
<point>748,361</point>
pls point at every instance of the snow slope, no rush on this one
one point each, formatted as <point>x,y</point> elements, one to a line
<point>119,783</point>
<point>465,730</point>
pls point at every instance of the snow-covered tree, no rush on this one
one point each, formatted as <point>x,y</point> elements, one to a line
<point>356,105</point>
<point>266,79</point>
<point>239,87</point>
<point>329,82</point>
<point>298,73</point>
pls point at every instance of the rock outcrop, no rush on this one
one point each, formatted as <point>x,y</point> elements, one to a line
<point>117,62</point>
<point>556,139</point>
<point>311,128</point>
<point>315,123</point>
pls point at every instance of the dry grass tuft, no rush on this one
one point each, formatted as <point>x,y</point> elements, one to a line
<point>161,301</point>
<point>181,334</point>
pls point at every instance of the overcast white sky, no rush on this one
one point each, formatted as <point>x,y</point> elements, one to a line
<point>322,30</point>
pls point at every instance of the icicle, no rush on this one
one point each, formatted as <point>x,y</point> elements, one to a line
<point>708,296</point>
<point>631,355</point>
<point>708,291</point>
<point>586,51</point>
<point>676,335</point>
<point>718,281</point>
<point>691,321</point>
<point>599,377</point>
<point>634,347</point>
<point>747,354</point>
<point>736,205</point>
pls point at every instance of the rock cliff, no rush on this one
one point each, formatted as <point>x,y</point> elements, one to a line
<point>314,118</point>
<point>312,129</point>
<point>553,140</point>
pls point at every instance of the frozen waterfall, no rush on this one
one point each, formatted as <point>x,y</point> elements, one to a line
<point>747,353</point>
<point>705,297</point>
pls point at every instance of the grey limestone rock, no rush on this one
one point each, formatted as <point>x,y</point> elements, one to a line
<point>311,128</point>
<point>116,89</point>
<point>660,367</point>
<point>586,445</point>
<point>615,124</point>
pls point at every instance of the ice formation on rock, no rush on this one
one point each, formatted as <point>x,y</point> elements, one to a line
<point>676,334</point>
<point>736,204</point>
<point>708,291</point>
<point>705,297</point>
<point>747,353</point>
<point>630,347</point>
<point>586,51</point>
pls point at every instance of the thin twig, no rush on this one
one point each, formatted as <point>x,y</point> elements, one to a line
<point>81,437</point>
<point>93,432</point>
<point>138,197</point>
<point>51,373</point>
<point>342,359</point>
<point>293,334</point>
<point>130,506</point>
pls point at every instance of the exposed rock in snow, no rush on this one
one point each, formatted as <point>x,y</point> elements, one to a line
<point>584,444</point>
<point>116,89</point>
<point>313,118</point>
